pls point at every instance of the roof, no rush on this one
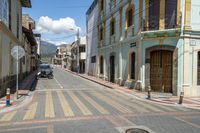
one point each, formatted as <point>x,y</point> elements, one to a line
<point>30,36</point>
<point>26,3</point>
<point>91,8</point>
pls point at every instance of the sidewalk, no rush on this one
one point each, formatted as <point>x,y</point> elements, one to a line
<point>160,98</point>
<point>24,90</point>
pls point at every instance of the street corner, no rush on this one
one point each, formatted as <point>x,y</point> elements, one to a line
<point>24,98</point>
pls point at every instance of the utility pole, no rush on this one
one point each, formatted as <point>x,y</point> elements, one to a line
<point>78,41</point>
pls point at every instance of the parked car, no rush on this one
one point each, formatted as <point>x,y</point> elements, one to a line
<point>45,71</point>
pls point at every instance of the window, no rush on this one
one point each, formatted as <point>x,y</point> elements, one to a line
<point>93,59</point>
<point>154,13</point>
<point>101,65</point>
<point>112,3</point>
<point>198,69</point>
<point>170,13</point>
<point>112,27</point>
<point>102,5</point>
<point>17,25</point>
<point>101,34</point>
<point>130,17</point>
<point>10,18</point>
<point>133,65</point>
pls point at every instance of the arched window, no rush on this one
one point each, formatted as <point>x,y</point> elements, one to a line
<point>198,69</point>
<point>112,27</point>
<point>101,65</point>
<point>133,65</point>
<point>130,16</point>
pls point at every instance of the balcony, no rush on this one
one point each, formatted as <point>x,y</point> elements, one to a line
<point>112,39</point>
<point>129,32</point>
<point>112,5</point>
<point>82,56</point>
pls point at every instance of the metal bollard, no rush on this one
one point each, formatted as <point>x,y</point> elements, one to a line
<point>149,93</point>
<point>181,98</point>
<point>8,97</point>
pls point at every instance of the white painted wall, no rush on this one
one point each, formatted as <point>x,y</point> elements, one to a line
<point>195,15</point>
<point>92,41</point>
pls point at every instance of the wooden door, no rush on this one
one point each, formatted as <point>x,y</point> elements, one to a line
<point>161,71</point>
<point>112,69</point>
<point>167,71</point>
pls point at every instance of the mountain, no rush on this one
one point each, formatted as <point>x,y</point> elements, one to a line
<point>48,50</point>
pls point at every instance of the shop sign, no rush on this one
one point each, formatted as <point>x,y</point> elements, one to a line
<point>133,45</point>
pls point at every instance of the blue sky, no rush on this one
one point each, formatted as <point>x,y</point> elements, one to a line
<point>52,12</point>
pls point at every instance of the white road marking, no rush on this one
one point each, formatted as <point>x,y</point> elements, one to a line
<point>58,83</point>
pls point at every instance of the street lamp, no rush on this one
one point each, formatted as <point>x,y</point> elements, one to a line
<point>78,43</point>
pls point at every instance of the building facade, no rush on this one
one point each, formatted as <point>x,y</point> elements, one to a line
<point>78,62</point>
<point>63,56</point>
<point>11,34</point>
<point>150,43</point>
<point>92,39</point>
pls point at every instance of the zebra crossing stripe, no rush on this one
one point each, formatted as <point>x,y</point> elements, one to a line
<point>49,107</point>
<point>30,114</point>
<point>94,104</point>
<point>112,103</point>
<point>65,105</point>
<point>8,117</point>
<point>79,104</point>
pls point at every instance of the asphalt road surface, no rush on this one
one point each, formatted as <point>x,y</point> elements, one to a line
<point>70,104</point>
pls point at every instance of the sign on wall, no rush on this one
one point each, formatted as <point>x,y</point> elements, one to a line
<point>4,11</point>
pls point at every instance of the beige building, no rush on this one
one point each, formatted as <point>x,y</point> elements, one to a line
<point>63,56</point>
<point>11,35</point>
<point>82,55</point>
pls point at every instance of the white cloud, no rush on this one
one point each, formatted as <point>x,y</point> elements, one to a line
<point>48,25</point>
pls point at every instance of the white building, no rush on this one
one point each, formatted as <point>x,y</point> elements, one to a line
<point>92,39</point>
<point>154,43</point>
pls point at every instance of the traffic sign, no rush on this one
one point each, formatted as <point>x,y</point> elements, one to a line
<point>17,52</point>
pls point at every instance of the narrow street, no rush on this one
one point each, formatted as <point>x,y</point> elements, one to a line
<point>69,103</point>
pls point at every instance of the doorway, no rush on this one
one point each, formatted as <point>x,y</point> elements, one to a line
<point>161,71</point>
<point>112,68</point>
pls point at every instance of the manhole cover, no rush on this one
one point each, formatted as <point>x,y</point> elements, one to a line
<point>136,130</point>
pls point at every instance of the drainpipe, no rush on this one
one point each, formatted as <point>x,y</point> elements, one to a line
<point>182,34</point>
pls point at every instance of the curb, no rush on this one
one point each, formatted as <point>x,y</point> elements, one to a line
<point>136,96</point>
<point>151,100</point>
<point>22,101</point>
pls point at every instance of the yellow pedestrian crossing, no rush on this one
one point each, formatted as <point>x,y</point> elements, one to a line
<point>30,114</point>
<point>8,117</point>
<point>49,108</point>
<point>79,104</point>
<point>76,98</point>
<point>94,104</point>
<point>65,105</point>
<point>112,103</point>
